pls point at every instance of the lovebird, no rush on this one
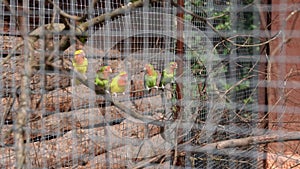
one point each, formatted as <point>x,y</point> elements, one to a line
<point>168,75</point>
<point>119,83</point>
<point>150,77</point>
<point>102,78</point>
<point>80,63</point>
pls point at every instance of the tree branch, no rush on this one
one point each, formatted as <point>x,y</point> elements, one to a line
<point>100,19</point>
<point>247,141</point>
<point>63,13</point>
<point>220,33</point>
<point>128,111</point>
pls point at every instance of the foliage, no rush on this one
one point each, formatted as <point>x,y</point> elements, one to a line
<point>220,15</point>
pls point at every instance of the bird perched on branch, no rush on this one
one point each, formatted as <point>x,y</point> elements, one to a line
<point>80,63</point>
<point>150,77</point>
<point>119,83</point>
<point>168,75</point>
<point>102,78</point>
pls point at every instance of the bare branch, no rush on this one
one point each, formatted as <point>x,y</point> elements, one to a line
<point>220,33</point>
<point>79,30</point>
<point>120,11</point>
<point>63,13</point>
<point>247,141</point>
<point>128,111</point>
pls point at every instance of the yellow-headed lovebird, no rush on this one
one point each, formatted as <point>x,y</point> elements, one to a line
<point>168,75</point>
<point>150,77</point>
<point>80,62</point>
<point>119,83</point>
<point>102,78</point>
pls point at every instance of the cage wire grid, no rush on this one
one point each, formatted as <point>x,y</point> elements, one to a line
<point>214,96</point>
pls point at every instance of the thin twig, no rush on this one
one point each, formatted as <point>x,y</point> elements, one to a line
<point>218,32</point>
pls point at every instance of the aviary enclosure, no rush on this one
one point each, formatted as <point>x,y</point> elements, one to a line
<point>210,115</point>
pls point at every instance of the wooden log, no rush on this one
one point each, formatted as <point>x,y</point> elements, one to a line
<point>126,157</point>
<point>67,126</point>
<point>57,124</point>
<point>44,124</point>
<point>80,146</point>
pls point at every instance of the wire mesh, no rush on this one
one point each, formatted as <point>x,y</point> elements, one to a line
<point>218,111</point>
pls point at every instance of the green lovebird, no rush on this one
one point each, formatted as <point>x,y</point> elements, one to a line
<point>102,78</point>
<point>150,77</point>
<point>80,63</point>
<point>168,75</point>
<point>119,83</point>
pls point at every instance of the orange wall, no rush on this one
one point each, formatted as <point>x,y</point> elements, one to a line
<point>284,87</point>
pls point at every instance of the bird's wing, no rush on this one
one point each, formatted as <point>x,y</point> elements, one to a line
<point>146,78</point>
<point>114,88</point>
<point>162,78</point>
<point>85,65</point>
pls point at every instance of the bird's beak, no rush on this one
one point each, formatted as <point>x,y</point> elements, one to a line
<point>110,70</point>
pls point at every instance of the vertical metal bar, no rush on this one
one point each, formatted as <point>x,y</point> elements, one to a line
<point>233,76</point>
<point>92,99</point>
<point>281,74</point>
<point>42,14</point>
<point>21,119</point>
<point>180,55</point>
<point>107,133</point>
<point>180,51</point>
<point>265,21</point>
<point>2,107</point>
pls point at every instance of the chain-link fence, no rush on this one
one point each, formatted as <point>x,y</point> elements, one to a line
<point>78,89</point>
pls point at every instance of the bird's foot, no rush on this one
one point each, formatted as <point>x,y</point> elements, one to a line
<point>148,89</point>
<point>107,92</point>
<point>156,87</point>
<point>114,94</point>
